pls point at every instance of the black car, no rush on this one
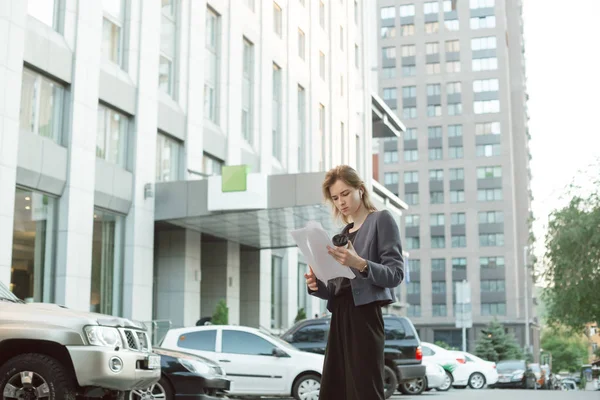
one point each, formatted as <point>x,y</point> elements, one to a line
<point>403,356</point>
<point>185,377</point>
<point>514,374</point>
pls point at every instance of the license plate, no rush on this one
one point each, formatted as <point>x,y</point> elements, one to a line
<point>503,379</point>
<point>153,362</point>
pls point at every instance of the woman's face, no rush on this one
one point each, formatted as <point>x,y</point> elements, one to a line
<point>345,198</point>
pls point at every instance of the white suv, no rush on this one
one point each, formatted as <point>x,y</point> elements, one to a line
<point>256,362</point>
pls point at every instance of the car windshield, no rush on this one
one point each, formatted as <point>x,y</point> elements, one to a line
<point>509,366</point>
<point>7,295</point>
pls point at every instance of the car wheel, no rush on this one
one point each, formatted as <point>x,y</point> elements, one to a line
<point>160,390</point>
<point>36,376</point>
<point>390,381</point>
<point>414,387</point>
<point>307,387</point>
<point>476,381</point>
<point>447,383</point>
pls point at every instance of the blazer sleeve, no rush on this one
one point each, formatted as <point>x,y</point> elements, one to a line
<point>322,291</point>
<point>389,271</point>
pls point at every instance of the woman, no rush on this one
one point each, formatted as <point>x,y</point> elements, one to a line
<point>354,363</point>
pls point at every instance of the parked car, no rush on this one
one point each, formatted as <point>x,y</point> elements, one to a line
<point>514,373</point>
<point>456,372</point>
<point>402,353</point>
<point>63,353</point>
<point>481,372</point>
<point>256,362</point>
<point>185,376</point>
<point>436,375</point>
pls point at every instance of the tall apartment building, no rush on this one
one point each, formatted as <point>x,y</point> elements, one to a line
<point>117,119</point>
<point>454,71</point>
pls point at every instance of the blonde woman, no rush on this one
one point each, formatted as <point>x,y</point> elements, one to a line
<point>354,363</point>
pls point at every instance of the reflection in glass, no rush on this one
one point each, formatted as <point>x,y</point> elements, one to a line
<point>167,158</point>
<point>111,41</point>
<point>43,10</point>
<point>32,272</point>
<point>111,136</point>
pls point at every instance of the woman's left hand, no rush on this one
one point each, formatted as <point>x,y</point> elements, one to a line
<point>347,257</point>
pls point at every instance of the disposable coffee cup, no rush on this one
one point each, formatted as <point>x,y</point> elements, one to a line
<point>340,240</point>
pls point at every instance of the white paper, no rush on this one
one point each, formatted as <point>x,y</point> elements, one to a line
<point>312,240</point>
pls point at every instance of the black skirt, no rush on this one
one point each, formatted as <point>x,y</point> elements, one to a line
<point>354,363</point>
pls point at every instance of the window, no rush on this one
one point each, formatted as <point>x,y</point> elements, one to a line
<point>356,12</point>
<point>432,48</point>
<point>394,330</point>
<point>438,264</point>
<point>199,340</point>
<point>490,217</point>
<point>485,64</point>
<point>239,342</point>
<point>488,150</point>
<point>413,287</point>
<point>452,66</point>
<point>390,93</point>
<point>45,11</point>
<point>316,333</point>
<point>389,53</point>
<point>491,262</point>
<point>489,194</point>
<point>301,44</point>
<point>458,218</point>
<point>434,132</point>
<point>457,196</point>
<point>475,4</point>
<point>486,106</point>
<point>409,112</point>
<point>390,178</point>
<point>487,128</point>
<point>459,264</point>
<point>436,174</point>
<point>248,92</point>
<point>388,32</point>
<point>321,139</point>
<point>411,198</point>
<point>357,59</point>
<point>107,263</point>
<point>452,46</point>
<point>448,6</point>
<point>454,130</point>
<point>432,68</point>
<point>455,152</point>
<point>457,174</point>
<point>168,153</point>
<point>413,242</point>
<point>409,50</point>
<point>301,129</point>
<point>111,136</point>
<point>407,92</point>
<point>455,109</point>
<point>434,110</point>
<point>342,37</point>
<point>388,72</point>
<point>452,25</point>
<point>493,285</point>
<point>322,14</point>
<point>453,88</point>
<point>250,4</point>
<point>485,85</point>
<point>407,10</point>
<point>412,220</point>
<point>485,22</point>
<point>432,27</point>
<point>411,155</point>
<point>390,157</point>
<point>211,95</point>
<point>414,265</point>
<point>434,90</point>
<point>436,220</point>
<point>277,110</point>
<point>436,197</point>
<point>438,242</point>
<point>322,65</point>
<point>414,310</point>
<point>493,309</point>
<point>459,241</point>
<point>41,106</point>
<point>277,20</point>
<point>388,12</point>
<point>438,287</point>
<point>409,70</point>
<point>435,153</point>
<point>211,165</point>
<point>407,29</point>
<point>489,172</point>
<point>483,43</point>
<point>35,230</point>
<point>439,310</point>
<point>491,239</point>
<point>112,31</point>
<point>431,7</point>
<point>168,31</point>
<point>410,134</point>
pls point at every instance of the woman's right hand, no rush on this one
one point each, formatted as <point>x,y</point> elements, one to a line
<point>311,280</point>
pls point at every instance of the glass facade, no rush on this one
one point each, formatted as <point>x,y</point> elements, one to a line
<point>41,106</point>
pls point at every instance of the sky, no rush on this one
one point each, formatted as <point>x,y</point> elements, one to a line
<point>562,50</point>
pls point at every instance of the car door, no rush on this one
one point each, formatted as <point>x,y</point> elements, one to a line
<point>398,346</point>
<point>250,363</point>
<point>311,338</point>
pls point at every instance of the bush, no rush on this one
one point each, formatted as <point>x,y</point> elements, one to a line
<point>300,316</point>
<point>221,315</point>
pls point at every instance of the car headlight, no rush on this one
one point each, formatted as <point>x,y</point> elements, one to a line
<point>199,367</point>
<point>103,336</point>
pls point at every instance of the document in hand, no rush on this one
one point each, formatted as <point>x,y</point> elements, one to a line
<point>312,240</point>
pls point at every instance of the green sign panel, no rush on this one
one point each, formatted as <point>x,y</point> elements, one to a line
<point>234,178</point>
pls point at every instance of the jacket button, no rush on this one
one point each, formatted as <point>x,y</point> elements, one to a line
<point>357,292</point>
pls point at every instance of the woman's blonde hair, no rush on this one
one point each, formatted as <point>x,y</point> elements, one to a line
<point>350,177</point>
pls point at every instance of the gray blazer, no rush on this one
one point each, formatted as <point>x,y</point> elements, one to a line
<point>378,242</point>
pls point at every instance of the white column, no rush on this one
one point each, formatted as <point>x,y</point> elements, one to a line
<point>290,287</point>
<point>76,205</point>
<point>13,16</point>
<point>139,237</point>
<point>264,305</point>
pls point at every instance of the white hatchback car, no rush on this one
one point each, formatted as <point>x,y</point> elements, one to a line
<point>256,362</point>
<point>454,364</point>
<point>481,372</point>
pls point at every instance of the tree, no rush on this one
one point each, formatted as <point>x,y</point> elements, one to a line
<point>496,345</point>
<point>300,316</point>
<point>568,351</point>
<point>572,261</point>
<point>221,315</point>
<point>444,345</point>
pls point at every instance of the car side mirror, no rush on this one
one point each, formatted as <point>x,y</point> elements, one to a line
<point>277,352</point>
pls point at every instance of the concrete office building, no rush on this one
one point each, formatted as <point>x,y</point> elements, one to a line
<point>454,71</point>
<point>116,120</point>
